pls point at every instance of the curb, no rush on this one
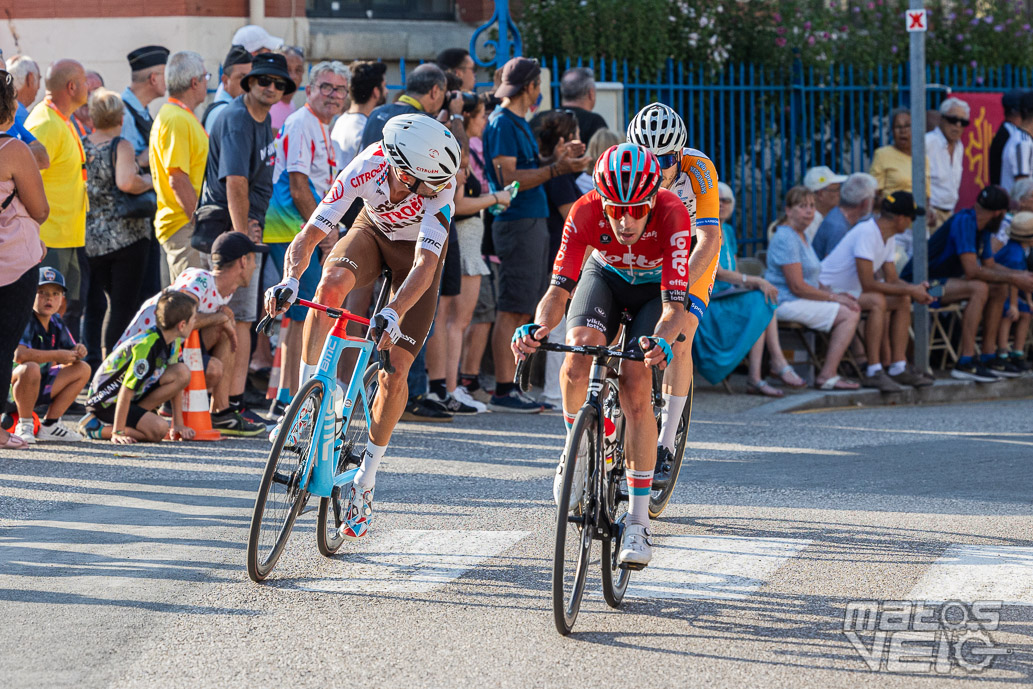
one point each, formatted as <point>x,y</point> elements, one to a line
<point>944,391</point>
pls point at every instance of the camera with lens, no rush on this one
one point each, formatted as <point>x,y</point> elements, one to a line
<point>470,100</point>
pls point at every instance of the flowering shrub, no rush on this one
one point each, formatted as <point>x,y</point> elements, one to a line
<point>861,33</point>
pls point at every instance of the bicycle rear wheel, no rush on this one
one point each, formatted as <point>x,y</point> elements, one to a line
<point>615,579</point>
<point>281,495</point>
<point>658,499</point>
<point>332,510</point>
<point>573,522</point>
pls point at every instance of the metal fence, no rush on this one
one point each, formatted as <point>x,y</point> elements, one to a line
<point>763,128</point>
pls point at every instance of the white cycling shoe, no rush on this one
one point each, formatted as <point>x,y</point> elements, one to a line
<point>577,491</point>
<point>637,548</point>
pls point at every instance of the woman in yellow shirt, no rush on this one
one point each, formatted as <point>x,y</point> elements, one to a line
<point>891,165</point>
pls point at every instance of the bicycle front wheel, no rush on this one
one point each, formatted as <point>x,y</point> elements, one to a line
<point>573,520</point>
<point>658,499</point>
<point>332,510</point>
<point>281,495</point>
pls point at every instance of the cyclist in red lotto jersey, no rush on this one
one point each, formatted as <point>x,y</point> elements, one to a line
<point>641,236</point>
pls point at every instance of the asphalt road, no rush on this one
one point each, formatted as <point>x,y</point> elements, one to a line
<point>124,567</point>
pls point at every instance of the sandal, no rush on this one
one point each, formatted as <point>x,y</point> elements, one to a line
<point>790,377</point>
<point>837,383</point>
<point>762,388</point>
<point>13,442</point>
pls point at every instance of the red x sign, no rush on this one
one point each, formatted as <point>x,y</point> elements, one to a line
<point>916,20</point>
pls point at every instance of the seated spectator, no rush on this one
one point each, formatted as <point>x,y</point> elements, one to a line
<point>233,268</point>
<point>1022,200</point>
<point>958,252</point>
<point>116,247</point>
<point>855,202</point>
<point>891,166</point>
<point>1011,361</point>
<point>945,152</point>
<point>597,145</point>
<point>862,265</point>
<point>740,318</point>
<point>142,373</point>
<point>793,269</point>
<point>825,185</point>
<point>49,368</point>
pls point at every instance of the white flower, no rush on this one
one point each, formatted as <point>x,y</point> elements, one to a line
<point>713,40</point>
<point>704,21</point>
<point>719,9</point>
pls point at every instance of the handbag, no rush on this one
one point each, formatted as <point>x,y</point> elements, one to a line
<point>209,222</point>
<point>143,205</point>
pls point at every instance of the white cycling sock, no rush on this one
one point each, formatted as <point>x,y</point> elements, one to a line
<point>366,476</point>
<point>639,483</point>
<point>674,405</point>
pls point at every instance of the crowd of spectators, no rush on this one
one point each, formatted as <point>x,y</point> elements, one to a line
<point>111,202</point>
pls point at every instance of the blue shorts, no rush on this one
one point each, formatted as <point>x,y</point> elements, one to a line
<point>1023,304</point>
<point>306,285</point>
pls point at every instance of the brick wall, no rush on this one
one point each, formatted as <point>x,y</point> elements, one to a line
<point>62,9</point>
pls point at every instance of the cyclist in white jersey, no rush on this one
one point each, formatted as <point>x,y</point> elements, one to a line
<point>691,175</point>
<point>406,185</point>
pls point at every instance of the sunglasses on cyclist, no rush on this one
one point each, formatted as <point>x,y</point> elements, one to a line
<point>667,160</point>
<point>639,210</point>
<point>415,183</point>
<point>956,120</point>
<point>265,81</point>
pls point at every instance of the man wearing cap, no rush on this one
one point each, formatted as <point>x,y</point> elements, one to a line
<point>1011,102</point>
<point>961,262</point>
<point>64,182</point>
<point>256,40</point>
<point>856,196</point>
<point>520,233</point>
<point>945,152</point>
<point>855,265</point>
<point>178,153</point>
<point>233,268</point>
<point>234,67</point>
<point>148,82</point>
<point>825,185</point>
<point>1017,154</point>
<point>238,184</point>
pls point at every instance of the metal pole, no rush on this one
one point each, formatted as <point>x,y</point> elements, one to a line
<point>918,228</point>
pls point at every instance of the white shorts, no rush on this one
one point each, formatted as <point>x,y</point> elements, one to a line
<point>816,315</point>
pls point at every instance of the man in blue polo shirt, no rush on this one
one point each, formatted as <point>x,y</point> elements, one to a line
<point>17,129</point>
<point>961,262</point>
<point>521,232</point>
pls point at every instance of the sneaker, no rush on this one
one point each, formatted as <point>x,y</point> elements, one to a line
<point>416,410</point>
<point>464,397</point>
<point>165,410</point>
<point>277,409</point>
<point>881,382</point>
<point>24,431</point>
<point>637,548</point>
<point>254,417</point>
<point>1019,361</point>
<point>1001,366</point>
<point>480,394</point>
<point>91,427</point>
<point>973,370</point>
<point>911,377</point>
<point>515,402</point>
<point>57,431</point>
<point>359,514</point>
<point>577,491</point>
<point>662,472</point>
<point>449,404</point>
<point>233,422</point>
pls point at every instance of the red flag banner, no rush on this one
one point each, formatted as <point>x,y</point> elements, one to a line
<point>986,116</point>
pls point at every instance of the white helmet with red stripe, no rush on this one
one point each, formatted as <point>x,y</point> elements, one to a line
<point>422,147</point>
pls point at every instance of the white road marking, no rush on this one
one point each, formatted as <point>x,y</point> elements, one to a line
<point>412,561</point>
<point>979,572</point>
<point>712,567</point>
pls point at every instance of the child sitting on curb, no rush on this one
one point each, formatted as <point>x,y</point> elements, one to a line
<point>49,368</point>
<point>139,375</point>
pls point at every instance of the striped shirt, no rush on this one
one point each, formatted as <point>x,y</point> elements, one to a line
<point>1017,157</point>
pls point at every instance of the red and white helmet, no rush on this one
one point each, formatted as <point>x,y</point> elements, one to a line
<point>627,175</point>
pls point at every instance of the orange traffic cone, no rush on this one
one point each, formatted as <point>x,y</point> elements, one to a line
<point>195,397</point>
<point>274,375</point>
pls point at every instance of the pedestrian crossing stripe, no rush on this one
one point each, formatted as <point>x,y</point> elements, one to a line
<point>979,572</point>
<point>413,561</point>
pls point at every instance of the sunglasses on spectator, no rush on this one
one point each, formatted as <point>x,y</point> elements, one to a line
<point>326,89</point>
<point>636,211</point>
<point>265,81</point>
<point>956,120</point>
<point>667,160</point>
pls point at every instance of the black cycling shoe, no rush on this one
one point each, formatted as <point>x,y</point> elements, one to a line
<point>662,473</point>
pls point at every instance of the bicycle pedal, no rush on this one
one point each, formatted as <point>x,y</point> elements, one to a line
<point>631,566</point>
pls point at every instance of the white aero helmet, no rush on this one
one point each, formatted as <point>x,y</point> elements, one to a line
<point>422,147</point>
<point>658,128</point>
